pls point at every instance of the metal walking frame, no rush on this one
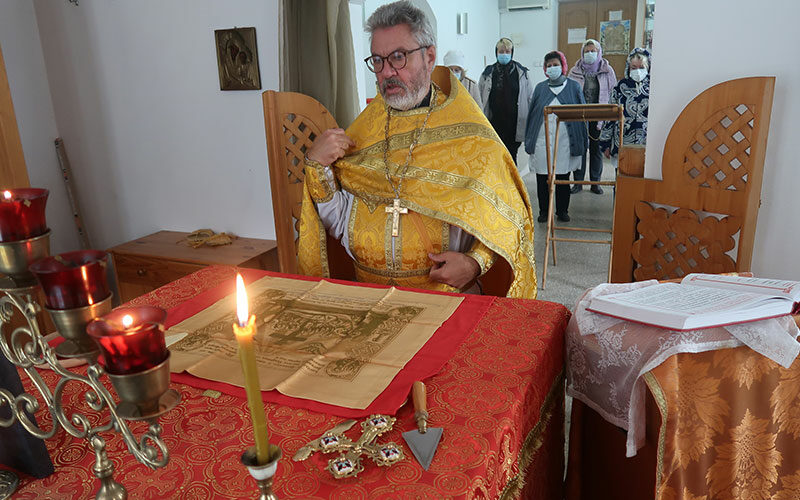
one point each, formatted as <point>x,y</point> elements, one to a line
<point>575,113</point>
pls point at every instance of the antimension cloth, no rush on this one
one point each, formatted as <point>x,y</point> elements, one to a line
<point>336,344</point>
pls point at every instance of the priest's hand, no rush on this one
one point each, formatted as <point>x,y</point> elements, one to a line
<point>454,268</point>
<point>330,146</point>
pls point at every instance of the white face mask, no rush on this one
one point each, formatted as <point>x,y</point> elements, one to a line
<point>553,72</point>
<point>638,74</point>
<point>458,74</point>
<point>589,57</point>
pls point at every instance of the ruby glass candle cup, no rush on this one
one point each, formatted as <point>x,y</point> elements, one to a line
<point>131,339</point>
<point>73,279</point>
<point>22,213</point>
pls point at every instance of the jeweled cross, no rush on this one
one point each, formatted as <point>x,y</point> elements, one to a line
<point>396,210</point>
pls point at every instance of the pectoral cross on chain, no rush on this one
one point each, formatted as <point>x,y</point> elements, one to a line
<point>396,210</point>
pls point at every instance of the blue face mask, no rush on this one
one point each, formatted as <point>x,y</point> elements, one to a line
<point>504,58</point>
<point>553,72</point>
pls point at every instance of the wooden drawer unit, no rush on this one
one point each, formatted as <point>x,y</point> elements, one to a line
<point>147,263</point>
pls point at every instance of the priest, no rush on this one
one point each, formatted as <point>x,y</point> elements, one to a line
<point>419,190</point>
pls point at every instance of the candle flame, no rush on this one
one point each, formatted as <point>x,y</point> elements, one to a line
<point>242,312</point>
<point>7,194</point>
<point>127,320</point>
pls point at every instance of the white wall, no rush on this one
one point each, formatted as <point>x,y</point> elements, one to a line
<point>686,27</point>
<point>154,143</point>
<point>19,39</point>
<point>535,33</point>
<point>483,20</point>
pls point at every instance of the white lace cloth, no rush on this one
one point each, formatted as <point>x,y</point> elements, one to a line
<point>606,357</point>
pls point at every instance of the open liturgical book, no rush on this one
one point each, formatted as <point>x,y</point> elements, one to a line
<point>702,301</point>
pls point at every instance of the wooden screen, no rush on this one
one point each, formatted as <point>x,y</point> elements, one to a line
<point>713,163</point>
<point>13,172</point>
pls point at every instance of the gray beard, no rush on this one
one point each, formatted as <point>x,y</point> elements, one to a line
<point>410,100</point>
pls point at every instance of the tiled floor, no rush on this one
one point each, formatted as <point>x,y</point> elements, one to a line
<point>580,265</point>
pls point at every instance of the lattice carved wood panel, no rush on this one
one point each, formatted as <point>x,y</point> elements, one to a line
<point>298,134</point>
<point>675,243</point>
<point>719,157</point>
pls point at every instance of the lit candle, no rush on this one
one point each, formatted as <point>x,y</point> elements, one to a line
<point>22,213</point>
<point>244,332</point>
<point>131,339</point>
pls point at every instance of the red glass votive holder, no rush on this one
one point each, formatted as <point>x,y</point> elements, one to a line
<point>73,279</point>
<point>134,345</point>
<point>22,213</point>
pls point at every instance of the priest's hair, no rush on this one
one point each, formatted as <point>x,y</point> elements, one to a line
<point>402,12</point>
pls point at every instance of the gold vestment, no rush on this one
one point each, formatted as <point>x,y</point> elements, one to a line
<point>460,174</point>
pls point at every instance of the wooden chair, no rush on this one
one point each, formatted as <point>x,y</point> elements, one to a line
<point>292,121</point>
<point>713,163</point>
<point>574,113</point>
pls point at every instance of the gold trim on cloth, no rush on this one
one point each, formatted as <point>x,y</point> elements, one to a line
<point>391,273</point>
<point>534,440</point>
<point>661,402</point>
<point>468,180</point>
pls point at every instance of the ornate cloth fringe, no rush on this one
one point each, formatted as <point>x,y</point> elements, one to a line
<point>533,441</point>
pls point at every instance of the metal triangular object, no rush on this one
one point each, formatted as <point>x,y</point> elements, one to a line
<point>423,446</point>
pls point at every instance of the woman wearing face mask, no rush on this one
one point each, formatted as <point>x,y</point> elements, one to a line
<point>455,60</point>
<point>633,92</point>
<point>572,138</point>
<point>597,78</point>
<point>505,95</point>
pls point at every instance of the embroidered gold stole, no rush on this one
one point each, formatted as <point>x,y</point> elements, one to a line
<point>460,174</point>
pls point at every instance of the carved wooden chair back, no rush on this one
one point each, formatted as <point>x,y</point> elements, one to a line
<point>292,121</point>
<point>707,202</point>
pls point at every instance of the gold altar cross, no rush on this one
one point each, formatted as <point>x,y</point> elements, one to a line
<point>396,210</point>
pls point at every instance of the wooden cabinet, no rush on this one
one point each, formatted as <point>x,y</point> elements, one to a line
<point>147,263</point>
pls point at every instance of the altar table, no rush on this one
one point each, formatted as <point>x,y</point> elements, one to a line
<point>721,424</point>
<point>499,400</point>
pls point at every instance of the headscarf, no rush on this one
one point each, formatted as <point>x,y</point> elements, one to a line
<point>564,67</point>
<point>591,69</point>
<point>455,58</point>
<point>642,52</point>
<point>508,41</point>
<point>549,55</point>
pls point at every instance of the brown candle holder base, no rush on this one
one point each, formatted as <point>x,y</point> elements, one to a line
<point>16,256</point>
<point>140,393</point>
<point>263,474</point>
<point>71,324</point>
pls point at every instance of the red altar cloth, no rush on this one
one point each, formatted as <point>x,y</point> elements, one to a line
<point>499,399</point>
<point>426,363</point>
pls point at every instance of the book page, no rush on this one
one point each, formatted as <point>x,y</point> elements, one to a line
<point>683,301</point>
<point>766,286</point>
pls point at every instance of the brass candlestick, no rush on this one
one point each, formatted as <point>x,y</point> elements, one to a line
<point>16,256</point>
<point>263,474</point>
<point>71,324</point>
<point>27,349</point>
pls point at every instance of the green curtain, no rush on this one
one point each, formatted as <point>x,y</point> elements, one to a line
<point>317,55</point>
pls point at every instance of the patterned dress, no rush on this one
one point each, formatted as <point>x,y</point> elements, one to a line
<point>635,97</point>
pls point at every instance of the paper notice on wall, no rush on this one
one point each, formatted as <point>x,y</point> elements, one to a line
<point>576,35</point>
<point>615,15</point>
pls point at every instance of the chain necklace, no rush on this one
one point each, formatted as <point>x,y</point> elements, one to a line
<point>396,209</point>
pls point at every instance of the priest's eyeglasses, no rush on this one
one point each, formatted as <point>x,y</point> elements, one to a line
<point>397,59</point>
